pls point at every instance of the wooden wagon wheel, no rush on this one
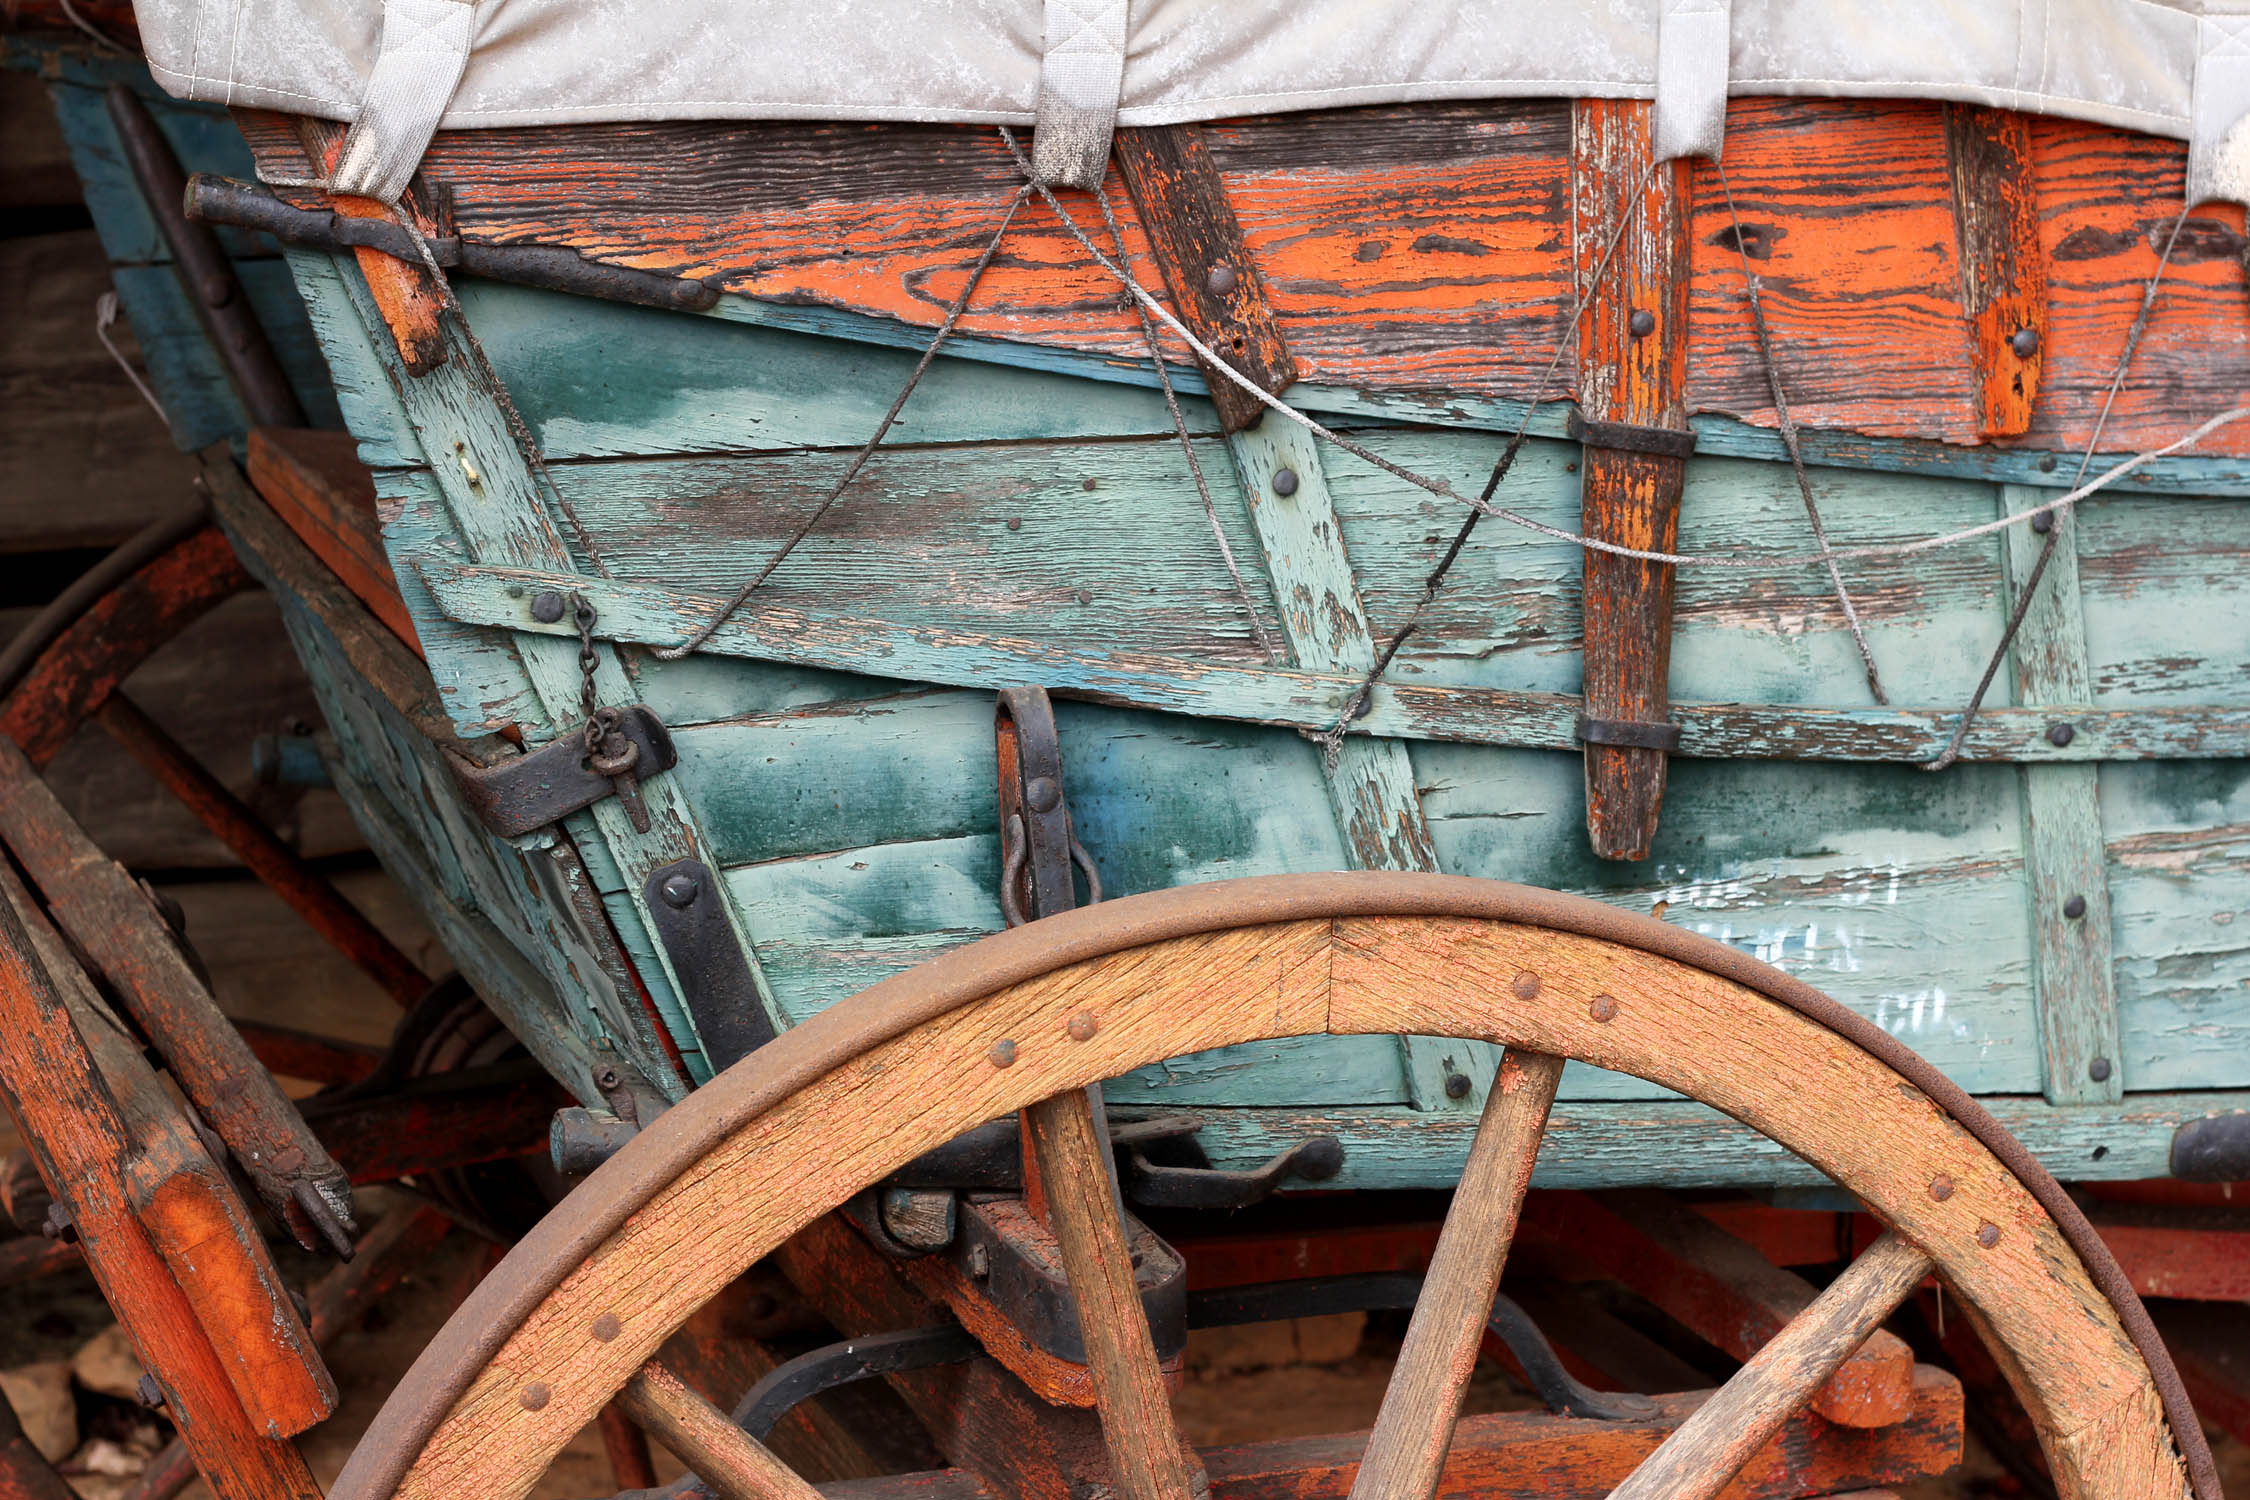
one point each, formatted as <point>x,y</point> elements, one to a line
<point>576,1313</point>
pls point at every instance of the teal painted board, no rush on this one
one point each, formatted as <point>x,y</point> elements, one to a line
<point>186,374</point>
<point>1680,1144</point>
<point>2165,592</point>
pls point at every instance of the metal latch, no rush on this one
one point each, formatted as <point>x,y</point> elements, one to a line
<point>526,794</point>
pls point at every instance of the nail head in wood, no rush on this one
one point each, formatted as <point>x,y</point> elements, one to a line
<point>1604,1009</point>
<point>534,1396</point>
<point>2061,733</point>
<point>1941,1187</point>
<point>2044,522</point>
<point>1222,280</point>
<point>606,1327</point>
<point>2025,341</point>
<point>1002,1054</point>
<point>547,606</point>
<point>1642,323</point>
<point>1988,1235</point>
<point>2075,908</point>
<point>1083,1026</point>
<point>2098,1070</point>
<point>1526,985</point>
<point>1457,1085</point>
<point>1285,482</point>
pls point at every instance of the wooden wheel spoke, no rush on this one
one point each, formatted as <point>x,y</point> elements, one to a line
<point>1415,1426</point>
<point>1147,1460</point>
<point>1706,1451</point>
<point>733,1463</point>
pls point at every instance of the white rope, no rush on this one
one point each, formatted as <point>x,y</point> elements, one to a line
<point>105,315</point>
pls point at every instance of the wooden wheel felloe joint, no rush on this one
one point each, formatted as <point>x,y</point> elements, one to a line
<point>747,1163</point>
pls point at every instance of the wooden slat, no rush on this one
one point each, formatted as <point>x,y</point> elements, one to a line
<point>315,482</point>
<point>734,1464</point>
<point>499,596</point>
<point>1146,1457</point>
<point>1406,1452</point>
<point>1994,175</point>
<point>1635,375</point>
<point>1182,203</point>
<point>2066,858</point>
<point>1710,1448</point>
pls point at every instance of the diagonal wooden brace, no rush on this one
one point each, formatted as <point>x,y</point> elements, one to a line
<point>1632,396</point>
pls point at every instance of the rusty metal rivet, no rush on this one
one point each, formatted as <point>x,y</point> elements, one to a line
<point>2074,908</point>
<point>1988,1235</point>
<point>1604,1009</point>
<point>2098,1070</point>
<point>2061,733</point>
<point>1043,794</point>
<point>1941,1187</point>
<point>1457,1085</point>
<point>1083,1026</point>
<point>1221,280</point>
<point>1285,482</point>
<point>546,606</point>
<point>2025,341</point>
<point>534,1395</point>
<point>2044,522</point>
<point>1001,1054</point>
<point>1015,523</point>
<point>1642,323</point>
<point>2046,463</point>
<point>606,1327</point>
<point>1526,985</point>
<point>681,889</point>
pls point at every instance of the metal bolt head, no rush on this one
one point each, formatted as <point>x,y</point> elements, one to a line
<point>1941,1187</point>
<point>1043,794</point>
<point>2061,733</point>
<point>1285,482</point>
<point>607,1079</point>
<point>2098,1070</point>
<point>1221,280</point>
<point>1457,1085</point>
<point>1604,1009</point>
<point>2074,908</point>
<point>1001,1054</point>
<point>1083,1026</point>
<point>2044,522</point>
<point>2025,341</point>
<point>606,1327</point>
<point>681,889</point>
<point>1642,323</point>
<point>1526,985</point>
<point>150,1393</point>
<point>534,1396</point>
<point>980,1262</point>
<point>1988,1235</point>
<point>2047,463</point>
<point>57,1225</point>
<point>547,607</point>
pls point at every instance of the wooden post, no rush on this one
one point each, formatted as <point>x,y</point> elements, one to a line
<point>1632,377</point>
<point>2003,267</point>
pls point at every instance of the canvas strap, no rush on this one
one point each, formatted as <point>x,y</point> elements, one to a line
<point>1691,79</point>
<point>2219,107</point>
<point>1080,77</point>
<point>425,48</point>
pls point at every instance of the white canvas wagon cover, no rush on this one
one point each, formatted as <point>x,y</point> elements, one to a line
<point>404,68</point>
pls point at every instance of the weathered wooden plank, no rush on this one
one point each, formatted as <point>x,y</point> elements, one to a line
<point>187,375</point>
<point>500,596</point>
<point>1850,201</point>
<point>2066,862</point>
<point>1607,1144</point>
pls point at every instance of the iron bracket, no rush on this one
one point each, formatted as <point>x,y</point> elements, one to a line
<point>688,918</point>
<point>524,795</point>
<point>1634,733</point>
<point>1630,437</point>
<point>1015,1261</point>
<point>2215,1148</point>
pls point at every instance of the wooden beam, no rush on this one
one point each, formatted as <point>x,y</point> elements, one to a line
<point>1632,372</point>
<point>1414,1428</point>
<point>1711,1447</point>
<point>315,482</point>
